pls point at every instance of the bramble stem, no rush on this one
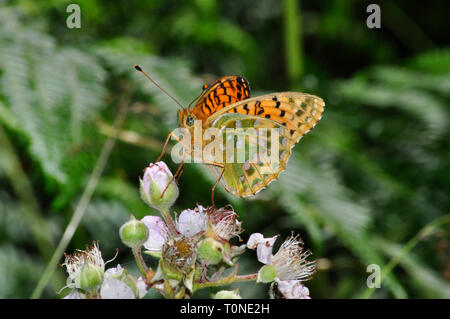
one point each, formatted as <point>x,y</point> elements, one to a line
<point>140,261</point>
<point>226,280</point>
<point>249,277</point>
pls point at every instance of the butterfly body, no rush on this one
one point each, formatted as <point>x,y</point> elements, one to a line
<point>227,104</point>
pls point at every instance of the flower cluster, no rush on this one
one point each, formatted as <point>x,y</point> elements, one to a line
<point>193,249</point>
<point>201,239</point>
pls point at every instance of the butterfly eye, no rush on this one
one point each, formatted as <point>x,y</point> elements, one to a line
<point>190,120</point>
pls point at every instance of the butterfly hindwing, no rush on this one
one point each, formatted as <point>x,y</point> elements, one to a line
<point>249,174</point>
<point>293,114</point>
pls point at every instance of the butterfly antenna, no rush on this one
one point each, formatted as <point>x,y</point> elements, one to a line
<point>137,67</point>
<point>197,98</point>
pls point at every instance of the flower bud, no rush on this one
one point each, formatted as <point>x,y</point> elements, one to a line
<point>227,294</point>
<point>154,184</point>
<point>210,250</point>
<point>133,233</point>
<point>266,274</point>
<point>91,276</point>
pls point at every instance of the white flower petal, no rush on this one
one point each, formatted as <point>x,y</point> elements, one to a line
<point>292,289</point>
<point>191,222</point>
<point>157,232</point>
<point>254,240</point>
<point>142,287</point>
<point>115,289</point>
<point>74,294</point>
<point>263,246</point>
<point>115,271</point>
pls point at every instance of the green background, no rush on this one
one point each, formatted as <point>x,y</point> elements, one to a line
<point>360,189</point>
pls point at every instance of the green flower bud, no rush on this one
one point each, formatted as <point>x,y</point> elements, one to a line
<point>227,294</point>
<point>266,274</point>
<point>90,277</point>
<point>154,184</point>
<point>133,233</point>
<point>210,250</point>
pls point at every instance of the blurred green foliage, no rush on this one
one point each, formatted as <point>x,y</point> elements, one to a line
<point>369,177</point>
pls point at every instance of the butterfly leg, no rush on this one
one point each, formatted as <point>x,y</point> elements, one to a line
<point>177,173</point>
<point>214,187</point>
<point>165,146</point>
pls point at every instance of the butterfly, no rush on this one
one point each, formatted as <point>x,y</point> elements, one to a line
<point>226,103</point>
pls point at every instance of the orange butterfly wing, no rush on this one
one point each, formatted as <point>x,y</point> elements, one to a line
<point>222,93</point>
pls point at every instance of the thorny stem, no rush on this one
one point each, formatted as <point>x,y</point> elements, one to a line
<point>226,280</point>
<point>140,261</point>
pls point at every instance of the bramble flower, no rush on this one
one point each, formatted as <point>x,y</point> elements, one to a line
<point>85,267</point>
<point>192,221</point>
<point>87,277</point>
<point>158,189</point>
<point>189,223</point>
<point>179,255</point>
<point>157,234</point>
<point>115,288</point>
<point>178,261</point>
<point>225,223</point>
<point>263,246</point>
<point>288,264</point>
<point>290,261</point>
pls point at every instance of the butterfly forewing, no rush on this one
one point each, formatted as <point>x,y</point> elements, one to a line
<point>222,93</point>
<point>297,111</point>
